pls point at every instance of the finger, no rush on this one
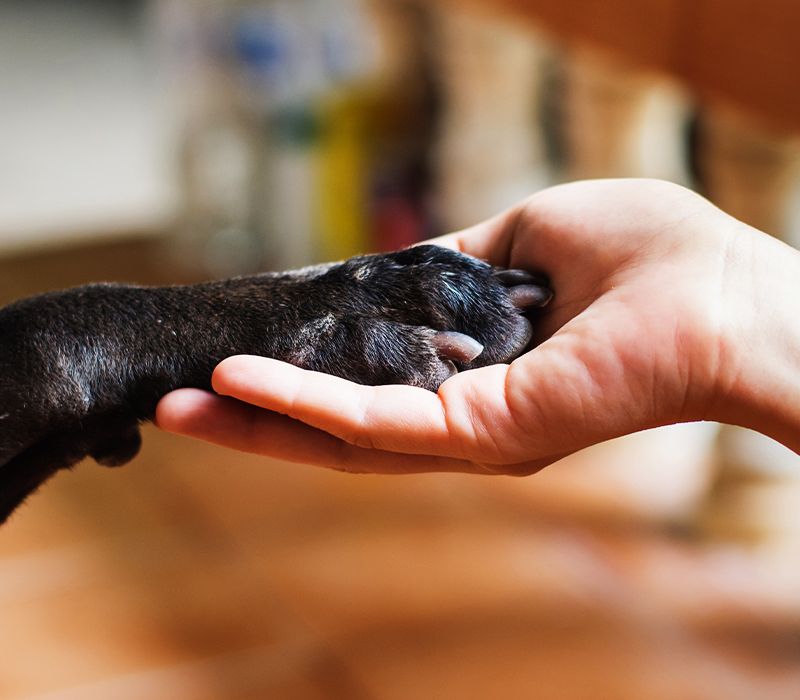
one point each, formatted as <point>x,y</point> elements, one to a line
<point>243,427</point>
<point>361,415</point>
<point>468,418</point>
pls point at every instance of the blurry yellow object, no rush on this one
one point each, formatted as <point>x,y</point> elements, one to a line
<point>343,174</point>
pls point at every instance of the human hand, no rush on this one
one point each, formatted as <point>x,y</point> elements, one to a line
<point>654,320</point>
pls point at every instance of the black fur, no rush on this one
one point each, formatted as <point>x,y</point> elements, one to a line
<point>79,369</point>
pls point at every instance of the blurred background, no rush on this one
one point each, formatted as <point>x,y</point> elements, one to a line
<point>174,140</point>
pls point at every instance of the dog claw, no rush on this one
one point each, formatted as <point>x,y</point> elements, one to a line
<point>514,277</point>
<point>527,296</point>
<point>456,346</point>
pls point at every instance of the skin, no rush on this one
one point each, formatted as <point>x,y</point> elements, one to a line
<point>666,310</point>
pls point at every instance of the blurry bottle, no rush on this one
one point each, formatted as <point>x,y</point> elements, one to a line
<point>214,142</point>
<point>276,54</point>
<point>620,120</point>
<point>404,114</point>
<point>377,126</point>
<point>299,144</point>
<point>491,152</point>
<point>347,43</point>
<point>343,173</point>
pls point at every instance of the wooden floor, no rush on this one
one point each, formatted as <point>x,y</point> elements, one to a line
<point>197,573</point>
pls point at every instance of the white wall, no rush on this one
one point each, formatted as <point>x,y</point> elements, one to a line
<point>84,146</point>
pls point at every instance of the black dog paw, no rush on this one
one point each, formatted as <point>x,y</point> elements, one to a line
<point>80,369</point>
<point>418,316</point>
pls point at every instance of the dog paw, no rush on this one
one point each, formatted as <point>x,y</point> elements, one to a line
<point>418,317</point>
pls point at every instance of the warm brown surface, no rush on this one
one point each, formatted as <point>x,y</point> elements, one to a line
<point>200,574</point>
<point>196,573</point>
<point>742,51</point>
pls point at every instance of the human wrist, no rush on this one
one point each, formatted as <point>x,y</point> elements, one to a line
<point>760,386</point>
